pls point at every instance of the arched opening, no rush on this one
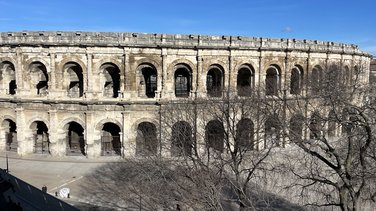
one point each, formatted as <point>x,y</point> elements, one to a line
<point>316,80</point>
<point>8,77</point>
<point>332,123</point>
<point>146,140</point>
<point>110,140</point>
<point>10,130</point>
<point>296,128</point>
<point>39,77</point>
<point>183,81</point>
<point>315,126</point>
<point>296,80</point>
<point>245,81</point>
<point>244,135</point>
<point>75,83</point>
<point>214,81</point>
<point>272,82</point>
<point>181,140</point>
<point>40,137</point>
<point>272,131</point>
<point>111,78</point>
<point>75,139</point>
<point>214,134</point>
<point>148,80</point>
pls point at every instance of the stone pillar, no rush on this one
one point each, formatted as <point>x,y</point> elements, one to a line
<point>201,78</point>
<point>92,136</point>
<point>21,137</point>
<point>129,136</point>
<point>52,83</point>
<point>227,86</point>
<point>19,73</point>
<point>129,83</point>
<point>55,146</point>
<point>88,80</point>
<point>163,82</point>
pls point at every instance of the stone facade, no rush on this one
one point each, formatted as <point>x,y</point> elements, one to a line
<point>80,93</point>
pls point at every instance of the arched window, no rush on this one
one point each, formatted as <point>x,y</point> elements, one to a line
<point>272,131</point>
<point>245,80</point>
<point>74,79</point>
<point>75,139</point>
<point>148,80</point>
<point>214,81</point>
<point>296,128</point>
<point>8,77</point>
<point>332,123</point>
<point>296,80</point>
<point>214,134</point>
<point>39,78</point>
<point>111,80</point>
<point>181,143</point>
<point>10,135</point>
<point>41,137</point>
<point>244,135</point>
<point>272,80</point>
<point>333,77</point>
<point>110,139</point>
<point>315,126</point>
<point>316,80</point>
<point>146,140</point>
<point>183,81</point>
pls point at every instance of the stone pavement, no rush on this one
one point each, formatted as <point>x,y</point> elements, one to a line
<point>55,173</point>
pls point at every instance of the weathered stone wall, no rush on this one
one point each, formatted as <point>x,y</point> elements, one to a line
<point>129,53</point>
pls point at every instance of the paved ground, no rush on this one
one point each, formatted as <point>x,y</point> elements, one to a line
<point>55,173</point>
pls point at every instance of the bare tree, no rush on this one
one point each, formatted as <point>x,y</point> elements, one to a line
<point>333,163</point>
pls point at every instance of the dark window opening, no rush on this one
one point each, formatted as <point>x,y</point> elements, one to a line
<point>214,82</point>
<point>112,80</point>
<point>41,137</point>
<point>146,140</point>
<point>296,81</point>
<point>245,81</point>
<point>244,135</point>
<point>75,140</point>
<point>12,87</point>
<point>76,84</point>
<point>8,77</point>
<point>272,81</point>
<point>182,82</point>
<point>39,72</point>
<point>181,143</point>
<point>316,80</point>
<point>315,126</point>
<point>214,134</point>
<point>10,135</point>
<point>150,79</point>
<point>110,140</point>
<point>272,132</point>
<point>296,128</point>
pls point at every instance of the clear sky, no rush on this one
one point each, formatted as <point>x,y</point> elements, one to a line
<point>346,21</point>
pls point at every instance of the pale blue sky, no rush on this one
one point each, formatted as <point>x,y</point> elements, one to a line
<point>347,21</point>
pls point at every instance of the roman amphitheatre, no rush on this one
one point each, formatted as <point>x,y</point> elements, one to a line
<point>96,94</point>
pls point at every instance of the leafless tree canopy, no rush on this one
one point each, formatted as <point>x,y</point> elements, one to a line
<point>312,144</point>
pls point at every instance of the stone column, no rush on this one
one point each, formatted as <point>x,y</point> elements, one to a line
<point>201,78</point>
<point>56,148</point>
<point>19,73</point>
<point>89,86</point>
<point>21,137</point>
<point>52,83</point>
<point>129,136</point>
<point>163,82</point>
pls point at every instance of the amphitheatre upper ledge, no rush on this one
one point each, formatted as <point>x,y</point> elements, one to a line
<point>127,39</point>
